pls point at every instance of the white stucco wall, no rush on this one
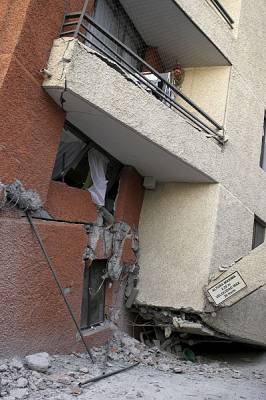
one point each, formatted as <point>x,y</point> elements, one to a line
<point>176,235</point>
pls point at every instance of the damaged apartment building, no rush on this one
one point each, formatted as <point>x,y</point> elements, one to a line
<point>133,158</point>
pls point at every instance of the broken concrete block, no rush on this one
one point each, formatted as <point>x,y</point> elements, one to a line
<point>132,298</point>
<point>84,370</point>
<point>16,363</point>
<point>19,393</point>
<point>3,368</point>
<point>22,383</point>
<point>38,362</point>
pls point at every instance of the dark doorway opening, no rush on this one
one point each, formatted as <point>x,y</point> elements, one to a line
<point>93,300</point>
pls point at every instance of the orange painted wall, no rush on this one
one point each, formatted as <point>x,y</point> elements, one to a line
<point>33,316</point>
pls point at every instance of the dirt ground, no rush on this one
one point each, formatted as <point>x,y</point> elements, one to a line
<point>229,374</point>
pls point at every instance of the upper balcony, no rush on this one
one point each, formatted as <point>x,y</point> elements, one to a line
<point>144,68</point>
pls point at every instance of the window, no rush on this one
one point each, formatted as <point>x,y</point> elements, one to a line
<point>111,16</point>
<point>93,299</point>
<point>263,150</point>
<point>258,232</point>
<point>71,164</point>
<point>77,164</point>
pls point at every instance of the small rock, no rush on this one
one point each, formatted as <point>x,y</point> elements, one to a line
<point>19,393</point>
<point>3,368</point>
<point>72,373</point>
<point>178,370</point>
<point>22,383</point>
<point>16,363</point>
<point>4,382</point>
<point>236,376</point>
<point>38,362</point>
<point>164,367</point>
<point>35,375</point>
<point>84,370</point>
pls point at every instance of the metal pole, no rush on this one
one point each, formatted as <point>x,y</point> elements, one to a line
<point>98,378</point>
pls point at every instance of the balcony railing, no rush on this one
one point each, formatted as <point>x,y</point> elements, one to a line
<point>219,7</point>
<point>81,26</point>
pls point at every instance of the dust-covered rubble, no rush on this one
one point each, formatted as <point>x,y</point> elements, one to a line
<point>20,380</point>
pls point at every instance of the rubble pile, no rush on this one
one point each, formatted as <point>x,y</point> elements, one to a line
<point>41,376</point>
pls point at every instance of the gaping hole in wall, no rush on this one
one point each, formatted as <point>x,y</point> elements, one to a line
<point>93,299</point>
<point>258,232</point>
<point>82,164</point>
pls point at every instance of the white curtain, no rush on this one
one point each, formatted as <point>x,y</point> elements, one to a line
<point>98,167</point>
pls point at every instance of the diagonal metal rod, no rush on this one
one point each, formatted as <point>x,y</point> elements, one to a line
<point>49,263</point>
<point>99,377</point>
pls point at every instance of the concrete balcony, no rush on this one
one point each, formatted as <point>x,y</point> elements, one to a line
<point>168,137</point>
<point>111,108</point>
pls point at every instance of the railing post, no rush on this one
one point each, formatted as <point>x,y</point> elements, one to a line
<point>83,12</point>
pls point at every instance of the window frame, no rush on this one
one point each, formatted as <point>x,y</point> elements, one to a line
<point>85,318</point>
<point>257,221</point>
<point>263,144</point>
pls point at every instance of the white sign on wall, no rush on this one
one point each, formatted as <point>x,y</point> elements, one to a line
<point>227,287</point>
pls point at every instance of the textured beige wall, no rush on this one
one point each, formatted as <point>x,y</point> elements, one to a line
<point>233,8</point>
<point>208,88</point>
<point>176,235</point>
<point>233,231</point>
<point>244,321</point>
<point>252,269</point>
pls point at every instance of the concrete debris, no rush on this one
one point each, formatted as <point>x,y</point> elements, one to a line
<point>16,363</point>
<point>22,383</point>
<point>112,238</point>
<point>176,321</point>
<point>15,194</point>
<point>24,199</point>
<point>38,362</point>
<point>3,368</point>
<point>67,371</point>
<point>120,231</point>
<point>19,393</point>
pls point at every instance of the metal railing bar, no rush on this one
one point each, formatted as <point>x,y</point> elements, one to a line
<point>223,12</point>
<point>82,15</point>
<point>69,23</point>
<point>67,33</point>
<point>148,83</point>
<point>73,14</point>
<point>149,67</point>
